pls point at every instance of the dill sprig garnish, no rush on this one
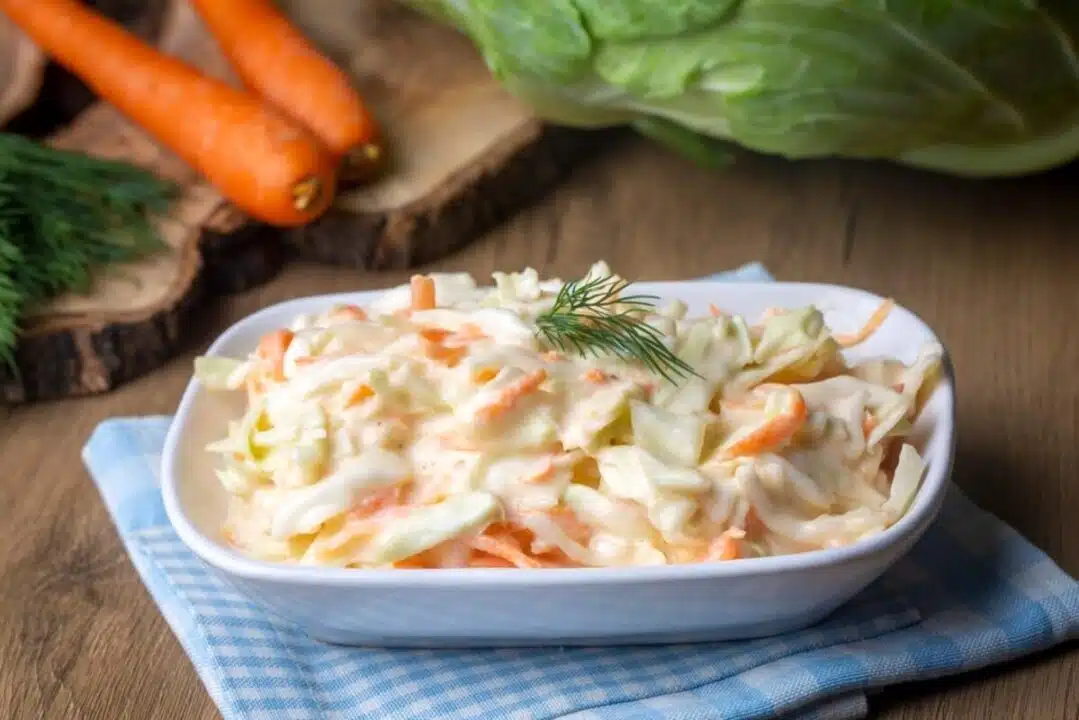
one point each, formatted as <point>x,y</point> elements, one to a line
<point>591,317</point>
<point>62,214</point>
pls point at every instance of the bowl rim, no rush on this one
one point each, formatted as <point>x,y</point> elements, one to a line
<point>923,510</point>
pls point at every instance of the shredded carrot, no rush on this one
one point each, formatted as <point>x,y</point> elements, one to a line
<point>435,335</point>
<point>727,546</point>
<point>776,430</point>
<point>315,359</point>
<point>470,332</point>
<point>376,501</point>
<point>448,356</point>
<point>272,348</point>
<point>412,563</point>
<point>545,475</point>
<point>423,293</point>
<point>348,312</point>
<point>271,167</point>
<point>716,312</point>
<point>596,376</point>
<point>274,60</point>
<point>510,395</point>
<point>483,560</point>
<point>871,326</point>
<point>868,424</point>
<point>753,525</point>
<point>484,375</point>
<point>359,395</point>
<point>505,546</point>
<point>730,548</point>
<point>570,524</point>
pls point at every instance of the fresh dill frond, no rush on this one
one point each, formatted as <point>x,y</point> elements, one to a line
<point>591,317</point>
<point>63,214</point>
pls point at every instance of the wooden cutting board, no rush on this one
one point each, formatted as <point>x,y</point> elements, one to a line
<point>463,156</point>
<point>22,68</point>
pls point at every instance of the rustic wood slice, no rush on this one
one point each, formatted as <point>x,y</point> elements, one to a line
<point>22,67</point>
<point>138,315</point>
<point>464,154</point>
<point>63,96</point>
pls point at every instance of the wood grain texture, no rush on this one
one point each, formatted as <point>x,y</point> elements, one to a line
<point>991,265</point>
<point>63,96</point>
<point>464,155</point>
<point>22,70</point>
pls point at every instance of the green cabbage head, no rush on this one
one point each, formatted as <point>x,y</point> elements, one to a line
<point>969,87</point>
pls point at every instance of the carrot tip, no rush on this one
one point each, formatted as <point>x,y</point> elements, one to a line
<point>371,151</point>
<point>306,193</point>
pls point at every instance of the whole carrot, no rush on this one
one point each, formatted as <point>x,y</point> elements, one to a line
<point>275,60</point>
<point>272,168</point>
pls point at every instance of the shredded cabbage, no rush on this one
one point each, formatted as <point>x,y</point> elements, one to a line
<point>393,436</point>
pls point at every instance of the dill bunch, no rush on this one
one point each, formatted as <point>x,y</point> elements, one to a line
<point>592,317</point>
<point>63,214</point>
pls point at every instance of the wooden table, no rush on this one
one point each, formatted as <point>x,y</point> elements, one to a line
<point>993,266</point>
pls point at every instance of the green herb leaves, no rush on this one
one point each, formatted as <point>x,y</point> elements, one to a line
<point>591,317</point>
<point>61,215</point>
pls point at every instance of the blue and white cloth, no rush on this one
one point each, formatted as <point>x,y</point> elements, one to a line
<point>972,593</point>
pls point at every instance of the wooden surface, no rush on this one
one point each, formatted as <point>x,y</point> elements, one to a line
<point>463,153</point>
<point>463,156</point>
<point>992,266</point>
<point>22,67</point>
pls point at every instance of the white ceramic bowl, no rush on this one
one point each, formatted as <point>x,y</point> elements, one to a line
<point>492,607</point>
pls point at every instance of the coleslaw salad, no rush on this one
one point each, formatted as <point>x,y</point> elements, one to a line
<point>440,427</point>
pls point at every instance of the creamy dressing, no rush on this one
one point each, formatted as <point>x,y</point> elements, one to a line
<point>437,436</point>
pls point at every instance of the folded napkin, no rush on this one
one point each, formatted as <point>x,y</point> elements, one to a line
<point>972,593</point>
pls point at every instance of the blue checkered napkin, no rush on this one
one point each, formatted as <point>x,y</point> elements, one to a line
<point>971,593</point>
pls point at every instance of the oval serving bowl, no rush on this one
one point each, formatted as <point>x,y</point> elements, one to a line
<point>582,606</point>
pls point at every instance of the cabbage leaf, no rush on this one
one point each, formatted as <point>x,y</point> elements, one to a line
<point>969,87</point>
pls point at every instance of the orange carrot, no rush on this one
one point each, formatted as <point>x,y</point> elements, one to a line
<point>513,392</point>
<point>423,292</point>
<point>375,501</point>
<point>348,312</point>
<point>359,395</point>
<point>774,431</point>
<point>504,546</point>
<point>546,474</point>
<point>434,347</point>
<point>409,564</point>
<point>483,560</point>
<point>753,525</point>
<point>470,332</point>
<point>274,59</point>
<point>272,168</point>
<point>484,375</point>
<point>315,359</point>
<point>435,335</point>
<point>595,376</point>
<point>272,348</point>
<point>727,546</point>
<point>569,523</point>
<point>872,324</point>
<point>448,356</point>
<point>868,424</point>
